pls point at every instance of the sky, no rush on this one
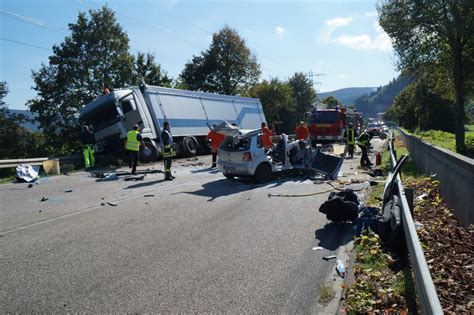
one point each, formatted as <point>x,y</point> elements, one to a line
<point>340,42</point>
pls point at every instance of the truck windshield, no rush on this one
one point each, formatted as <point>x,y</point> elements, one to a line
<point>326,117</point>
<point>102,116</point>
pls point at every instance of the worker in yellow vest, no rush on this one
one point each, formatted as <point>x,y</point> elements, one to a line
<point>134,139</point>
<point>349,136</point>
<point>88,140</point>
<point>168,149</point>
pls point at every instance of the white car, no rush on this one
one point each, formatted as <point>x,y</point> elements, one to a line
<point>243,154</point>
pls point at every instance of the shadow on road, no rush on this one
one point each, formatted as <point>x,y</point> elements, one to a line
<point>223,187</point>
<point>334,235</point>
<point>206,170</point>
<point>145,184</point>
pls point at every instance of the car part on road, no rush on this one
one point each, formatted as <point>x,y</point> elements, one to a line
<point>26,173</point>
<point>44,199</point>
<point>329,257</point>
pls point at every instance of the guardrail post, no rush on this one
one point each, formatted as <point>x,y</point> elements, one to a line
<point>409,196</point>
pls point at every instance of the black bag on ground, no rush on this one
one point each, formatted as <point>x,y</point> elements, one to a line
<point>390,226</point>
<point>341,207</point>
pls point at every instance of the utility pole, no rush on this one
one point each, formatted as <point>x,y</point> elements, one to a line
<point>311,75</point>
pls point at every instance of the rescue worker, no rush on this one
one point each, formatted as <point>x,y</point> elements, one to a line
<point>168,149</point>
<point>216,139</point>
<point>363,141</point>
<point>134,139</point>
<point>301,131</point>
<point>88,140</point>
<point>267,142</point>
<point>349,137</point>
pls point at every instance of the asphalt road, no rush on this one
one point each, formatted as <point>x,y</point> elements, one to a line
<point>201,243</point>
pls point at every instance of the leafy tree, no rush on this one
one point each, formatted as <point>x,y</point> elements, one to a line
<point>304,94</point>
<point>226,67</point>
<point>278,103</point>
<point>331,101</point>
<point>435,36</point>
<point>17,142</point>
<point>147,69</point>
<point>419,106</point>
<point>95,56</point>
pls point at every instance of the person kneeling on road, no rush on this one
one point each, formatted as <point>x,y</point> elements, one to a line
<point>168,149</point>
<point>363,141</point>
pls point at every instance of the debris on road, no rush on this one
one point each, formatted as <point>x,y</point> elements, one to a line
<point>340,268</point>
<point>329,257</point>
<point>318,248</point>
<point>112,204</point>
<point>150,195</point>
<point>44,199</point>
<point>134,178</point>
<point>26,173</point>
<point>68,190</point>
<point>30,185</point>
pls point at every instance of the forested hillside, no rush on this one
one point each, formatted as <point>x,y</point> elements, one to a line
<point>380,100</point>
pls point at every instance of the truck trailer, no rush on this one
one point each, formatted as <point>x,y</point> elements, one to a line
<point>190,114</point>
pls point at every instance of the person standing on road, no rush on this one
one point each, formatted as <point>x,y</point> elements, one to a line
<point>168,149</point>
<point>134,139</point>
<point>88,140</point>
<point>349,137</point>
<point>363,141</point>
<point>216,139</point>
<point>267,142</point>
<point>301,131</point>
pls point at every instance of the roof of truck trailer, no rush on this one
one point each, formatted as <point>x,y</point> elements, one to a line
<point>170,91</point>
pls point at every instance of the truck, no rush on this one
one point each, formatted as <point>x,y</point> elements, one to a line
<point>190,114</point>
<point>326,125</point>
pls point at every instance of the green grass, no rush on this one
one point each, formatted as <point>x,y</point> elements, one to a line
<point>326,294</point>
<point>404,284</point>
<point>447,140</point>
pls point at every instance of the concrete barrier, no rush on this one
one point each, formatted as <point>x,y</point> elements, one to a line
<point>455,173</point>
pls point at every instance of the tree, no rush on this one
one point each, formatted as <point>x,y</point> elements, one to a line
<point>147,69</point>
<point>95,56</point>
<point>435,36</point>
<point>304,94</point>
<point>226,67</point>
<point>278,103</point>
<point>17,142</point>
<point>331,101</point>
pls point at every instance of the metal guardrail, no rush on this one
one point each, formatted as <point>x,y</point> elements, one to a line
<point>425,287</point>
<point>37,161</point>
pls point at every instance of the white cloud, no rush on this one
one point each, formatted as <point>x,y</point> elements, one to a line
<point>279,30</point>
<point>339,21</point>
<point>381,41</point>
<point>371,13</point>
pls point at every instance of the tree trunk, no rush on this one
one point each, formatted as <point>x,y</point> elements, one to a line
<point>459,103</point>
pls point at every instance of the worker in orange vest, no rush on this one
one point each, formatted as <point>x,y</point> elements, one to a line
<point>267,142</point>
<point>301,132</point>
<point>216,139</point>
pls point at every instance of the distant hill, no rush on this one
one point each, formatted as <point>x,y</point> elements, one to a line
<point>382,98</point>
<point>348,95</point>
<point>31,124</point>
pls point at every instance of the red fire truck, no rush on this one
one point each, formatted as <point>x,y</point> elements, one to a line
<point>327,125</point>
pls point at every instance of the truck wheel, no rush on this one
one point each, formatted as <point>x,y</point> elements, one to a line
<point>190,146</point>
<point>263,173</point>
<point>229,176</point>
<point>148,154</point>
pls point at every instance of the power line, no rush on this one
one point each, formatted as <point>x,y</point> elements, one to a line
<point>25,44</point>
<point>31,21</point>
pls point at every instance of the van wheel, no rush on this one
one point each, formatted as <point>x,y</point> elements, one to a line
<point>263,173</point>
<point>148,154</point>
<point>190,146</point>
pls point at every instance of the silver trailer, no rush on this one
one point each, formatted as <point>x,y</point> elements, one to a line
<point>189,113</point>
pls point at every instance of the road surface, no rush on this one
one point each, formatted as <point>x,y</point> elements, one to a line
<point>201,243</point>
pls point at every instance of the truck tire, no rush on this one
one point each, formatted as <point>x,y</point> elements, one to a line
<point>190,147</point>
<point>263,173</point>
<point>229,176</point>
<point>150,154</point>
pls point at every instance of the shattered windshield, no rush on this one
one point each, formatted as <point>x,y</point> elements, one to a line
<point>236,143</point>
<point>102,117</point>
